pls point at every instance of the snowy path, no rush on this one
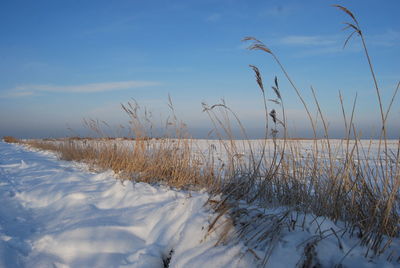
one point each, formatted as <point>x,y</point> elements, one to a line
<point>54,214</point>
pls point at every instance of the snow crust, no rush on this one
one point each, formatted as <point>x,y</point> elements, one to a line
<point>55,214</point>
<point>59,214</point>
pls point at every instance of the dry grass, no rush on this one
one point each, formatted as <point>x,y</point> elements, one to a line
<point>167,160</point>
<point>361,189</point>
<point>10,139</point>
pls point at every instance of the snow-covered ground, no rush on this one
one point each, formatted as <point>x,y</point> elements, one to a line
<point>58,214</point>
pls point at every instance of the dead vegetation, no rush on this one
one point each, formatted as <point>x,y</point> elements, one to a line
<point>168,160</point>
<point>10,139</point>
<point>361,188</point>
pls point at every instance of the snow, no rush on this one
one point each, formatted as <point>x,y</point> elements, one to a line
<point>56,214</point>
<point>59,214</point>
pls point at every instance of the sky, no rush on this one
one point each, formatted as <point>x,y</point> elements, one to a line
<point>65,61</point>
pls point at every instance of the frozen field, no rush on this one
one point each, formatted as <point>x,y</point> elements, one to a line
<point>58,214</point>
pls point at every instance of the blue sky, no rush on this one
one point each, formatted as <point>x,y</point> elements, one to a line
<point>62,61</point>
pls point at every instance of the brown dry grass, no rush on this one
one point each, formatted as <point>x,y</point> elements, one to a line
<point>11,139</point>
<point>168,161</point>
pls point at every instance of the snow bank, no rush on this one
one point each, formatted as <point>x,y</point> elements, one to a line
<point>53,214</point>
<point>58,214</point>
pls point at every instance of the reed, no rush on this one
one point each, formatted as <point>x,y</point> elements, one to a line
<point>361,189</point>
<point>167,160</point>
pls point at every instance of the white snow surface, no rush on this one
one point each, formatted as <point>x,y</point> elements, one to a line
<point>58,214</point>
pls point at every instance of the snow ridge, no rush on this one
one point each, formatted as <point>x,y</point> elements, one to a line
<point>55,214</point>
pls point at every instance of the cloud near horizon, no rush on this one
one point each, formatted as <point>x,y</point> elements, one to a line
<point>29,90</point>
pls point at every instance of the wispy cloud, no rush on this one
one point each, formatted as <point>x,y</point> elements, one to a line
<point>18,94</point>
<point>305,40</point>
<point>213,17</point>
<point>312,45</point>
<point>388,38</point>
<point>28,90</point>
<point>88,88</point>
<point>309,45</point>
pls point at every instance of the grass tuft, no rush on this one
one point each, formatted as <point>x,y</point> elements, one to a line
<point>10,139</point>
